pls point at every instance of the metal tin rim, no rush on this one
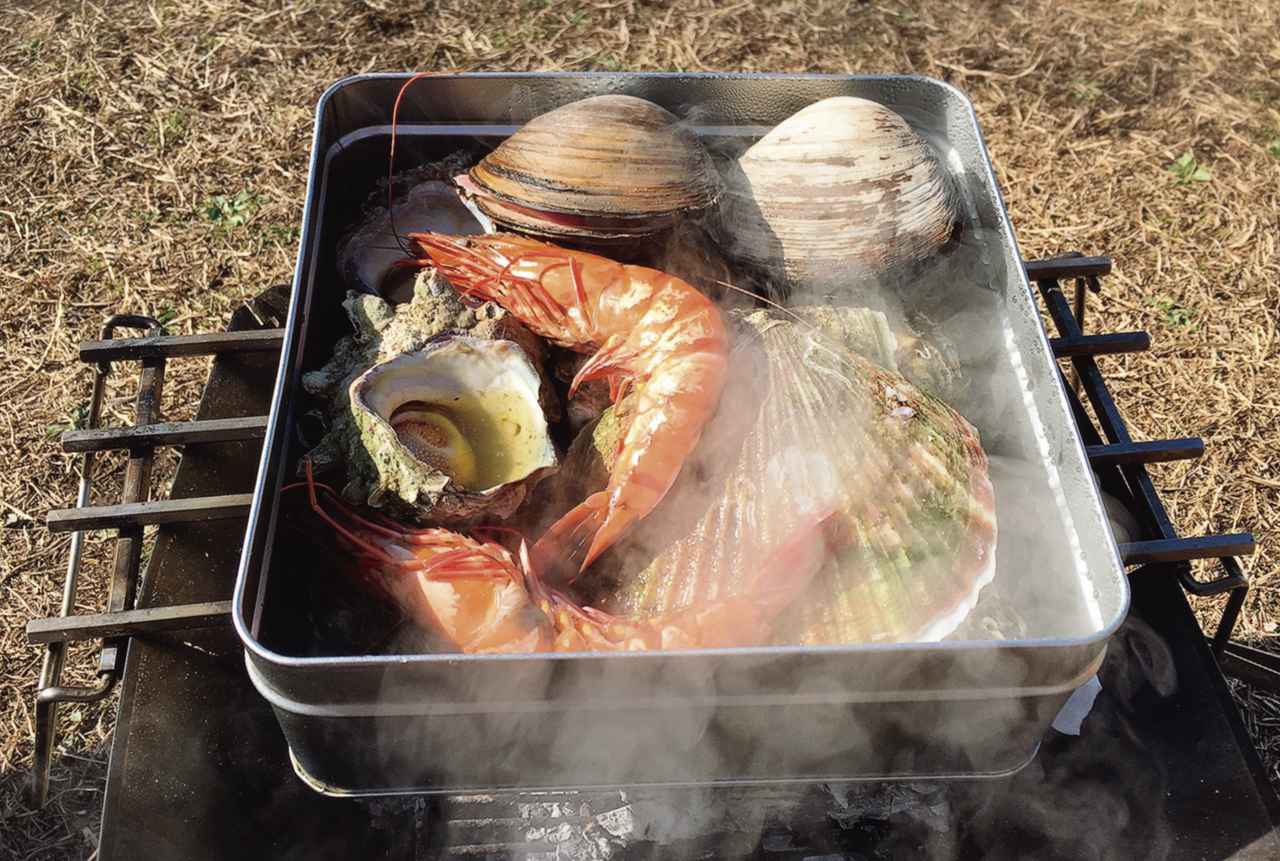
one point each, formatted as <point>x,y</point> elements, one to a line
<point>244,627</point>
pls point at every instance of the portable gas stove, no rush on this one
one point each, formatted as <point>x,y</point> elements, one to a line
<point>1161,766</point>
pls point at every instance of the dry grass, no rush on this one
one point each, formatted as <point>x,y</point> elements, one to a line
<point>119,123</point>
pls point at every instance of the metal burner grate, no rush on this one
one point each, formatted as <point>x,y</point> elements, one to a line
<point>129,517</point>
<point>1119,462</point>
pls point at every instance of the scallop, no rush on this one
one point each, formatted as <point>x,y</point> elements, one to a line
<point>839,193</point>
<point>608,169</point>
<point>809,429</point>
<point>454,431</point>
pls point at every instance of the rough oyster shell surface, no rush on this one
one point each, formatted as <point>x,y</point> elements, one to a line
<point>806,428</point>
<point>605,168</point>
<point>840,192</point>
<point>454,430</point>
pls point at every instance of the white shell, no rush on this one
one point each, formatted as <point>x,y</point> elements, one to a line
<point>806,429</point>
<point>837,193</point>
<point>489,391</point>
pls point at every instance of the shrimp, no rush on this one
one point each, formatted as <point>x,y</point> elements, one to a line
<point>646,330</point>
<point>482,598</point>
<point>471,593</point>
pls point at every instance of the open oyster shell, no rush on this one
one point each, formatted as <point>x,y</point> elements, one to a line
<point>838,193</point>
<point>454,430</point>
<point>425,200</point>
<point>604,169</point>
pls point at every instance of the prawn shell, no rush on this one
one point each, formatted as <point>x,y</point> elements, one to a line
<point>843,191</point>
<point>807,428</point>
<point>604,167</point>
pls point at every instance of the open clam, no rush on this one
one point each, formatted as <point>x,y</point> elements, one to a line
<point>837,194</point>
<point>603,169</point>
<point>454,430</point>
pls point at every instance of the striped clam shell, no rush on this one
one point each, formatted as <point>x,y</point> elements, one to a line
<point>607,167</point>
<point>841,191</point>
<point>805,427</point>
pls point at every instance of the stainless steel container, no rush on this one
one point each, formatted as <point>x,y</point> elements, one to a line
<point>379,723</point>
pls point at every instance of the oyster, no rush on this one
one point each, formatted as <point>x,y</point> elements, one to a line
<point>808,429</point>
<point>383,332</point>
<point>838,193</point>
<point>454,429</point>
<point>604,169</point>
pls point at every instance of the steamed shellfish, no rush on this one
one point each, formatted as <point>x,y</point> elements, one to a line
<point>840,192</point>
<point>805,428</point>
<point>603,169</point>
<point>367,258</point>
<point>455,429</point>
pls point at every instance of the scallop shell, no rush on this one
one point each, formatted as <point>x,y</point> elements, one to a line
<point>454,430</point>
<point>368,256</point>
<point>604,168</point>
<point>805,428</point>
<point>841,191</point>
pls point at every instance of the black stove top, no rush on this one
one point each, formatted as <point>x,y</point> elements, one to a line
<point>199,769</point>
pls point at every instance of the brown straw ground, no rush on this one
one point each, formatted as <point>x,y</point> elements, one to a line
<point>153,159</point>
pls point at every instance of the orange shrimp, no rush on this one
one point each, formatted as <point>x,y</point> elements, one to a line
<point>483,599</point>
<point>471,593</point>
<point>647,330</point>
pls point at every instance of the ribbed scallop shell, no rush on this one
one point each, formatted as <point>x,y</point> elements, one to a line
<point>806,428</point>
<point>839,192</point>
<point>607,167</point>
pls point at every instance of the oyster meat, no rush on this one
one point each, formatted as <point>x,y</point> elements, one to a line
<point>604,169</point>
<point>808,428</point>
<point>455,428</point>
<point>835,195</point>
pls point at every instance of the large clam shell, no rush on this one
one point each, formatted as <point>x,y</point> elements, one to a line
<point>454,430</point>
<point>604,168</point>
<point>806,428</point>
<point>838,193</point>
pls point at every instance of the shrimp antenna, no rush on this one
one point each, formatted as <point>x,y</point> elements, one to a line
<point>772,304</point>
<point>391,158</point>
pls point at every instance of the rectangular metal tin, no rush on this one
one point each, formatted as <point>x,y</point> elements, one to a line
<point>434,722</point>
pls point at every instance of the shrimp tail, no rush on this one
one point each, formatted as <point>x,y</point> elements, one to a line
<point>571,539</point>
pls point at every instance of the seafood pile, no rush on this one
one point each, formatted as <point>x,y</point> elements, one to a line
<point>561,423</point>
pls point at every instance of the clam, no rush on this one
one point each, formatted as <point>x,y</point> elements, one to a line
<point>608,169</point>
<point>367,258</point>
<point>839,193</point>
<point>454,430</point>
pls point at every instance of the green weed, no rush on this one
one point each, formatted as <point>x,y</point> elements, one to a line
<point>1173,314</point>
<point>229,212</point>
<point>1188,170</point>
